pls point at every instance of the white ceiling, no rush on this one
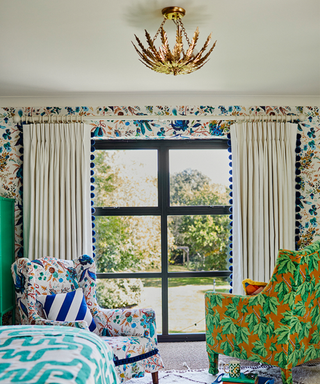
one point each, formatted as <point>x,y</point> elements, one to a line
<point>81,50</point>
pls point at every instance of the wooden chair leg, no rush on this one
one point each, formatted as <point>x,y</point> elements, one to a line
<point>155,377</point>
<point>286,376</point>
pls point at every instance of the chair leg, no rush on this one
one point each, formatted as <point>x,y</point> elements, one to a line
<point>286,376</point>
<point>213,362</point>
<point>155,377</point>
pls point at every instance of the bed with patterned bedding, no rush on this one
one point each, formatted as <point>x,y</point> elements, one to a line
<point>52,354</point>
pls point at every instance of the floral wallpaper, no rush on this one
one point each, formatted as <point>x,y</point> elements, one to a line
<point>308,146</point>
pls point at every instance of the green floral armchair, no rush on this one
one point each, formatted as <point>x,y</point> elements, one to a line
<point>280,326</point>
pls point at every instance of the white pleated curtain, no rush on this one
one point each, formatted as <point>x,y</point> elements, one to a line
<point>263,162</point>
<point>56,190</point>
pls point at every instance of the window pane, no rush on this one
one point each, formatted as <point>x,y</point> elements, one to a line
<point>128,243</point>
<point>186,302</point>
<point>126,178</point>
<point>131,293</point>
<point>199,177</point>
<point>198,242</point>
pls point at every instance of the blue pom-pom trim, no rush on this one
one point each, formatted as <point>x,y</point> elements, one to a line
<point>230,210</point>
<point>92,195</point>
<point>298,181</point>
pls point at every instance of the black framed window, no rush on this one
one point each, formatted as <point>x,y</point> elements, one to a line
<point>162,228</point>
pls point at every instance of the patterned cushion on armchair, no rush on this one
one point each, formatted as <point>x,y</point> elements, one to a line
<point>131,333</point>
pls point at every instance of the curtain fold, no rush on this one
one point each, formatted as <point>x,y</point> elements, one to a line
<point>263,161</point>
<point>56,190</point>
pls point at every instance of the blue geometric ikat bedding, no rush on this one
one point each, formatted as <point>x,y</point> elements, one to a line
<point>40,354</point>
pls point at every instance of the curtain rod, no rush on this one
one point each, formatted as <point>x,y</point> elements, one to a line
<point>78,118</point>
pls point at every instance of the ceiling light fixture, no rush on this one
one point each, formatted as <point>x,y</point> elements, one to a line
<point>179,61</point>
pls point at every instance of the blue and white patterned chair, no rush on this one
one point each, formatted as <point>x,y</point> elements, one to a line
<point>131,333</point>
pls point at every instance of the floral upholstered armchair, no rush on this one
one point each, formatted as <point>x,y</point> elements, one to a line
<point>279,326</point>
<point>131,333</point>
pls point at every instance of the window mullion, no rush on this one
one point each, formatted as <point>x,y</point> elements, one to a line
<point>163,174</point>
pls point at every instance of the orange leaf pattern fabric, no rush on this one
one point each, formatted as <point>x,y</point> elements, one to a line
<point>279,326</point>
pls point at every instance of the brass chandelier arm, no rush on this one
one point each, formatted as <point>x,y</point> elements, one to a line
<point>205,46</point>
<point>179,22</point>
<point>159,29</point>
<point>193,44</point>
<point>145,51</point>
<point>151,45</point>
<point>165,46</point>
<point>178,48</point>
<point>205,57</point>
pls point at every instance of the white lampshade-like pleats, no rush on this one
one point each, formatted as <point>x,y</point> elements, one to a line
<point>56,190</point>
<point>263,161</point>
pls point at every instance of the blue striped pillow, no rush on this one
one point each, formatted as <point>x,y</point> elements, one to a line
<point>68,306</point>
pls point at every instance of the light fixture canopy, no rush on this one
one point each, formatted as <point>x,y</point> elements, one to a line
<point>179,61</point>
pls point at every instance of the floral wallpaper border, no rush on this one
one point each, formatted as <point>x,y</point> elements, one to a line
<point>308,159</point>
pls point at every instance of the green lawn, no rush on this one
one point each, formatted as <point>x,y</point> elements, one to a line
<point>182,281</point>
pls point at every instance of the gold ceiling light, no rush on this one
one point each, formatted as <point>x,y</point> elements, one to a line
<point>179,61</point>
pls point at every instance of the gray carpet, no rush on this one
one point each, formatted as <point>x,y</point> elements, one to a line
<point>192,353</point>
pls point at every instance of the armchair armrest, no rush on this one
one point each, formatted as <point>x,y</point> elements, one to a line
<point>128,322</point>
